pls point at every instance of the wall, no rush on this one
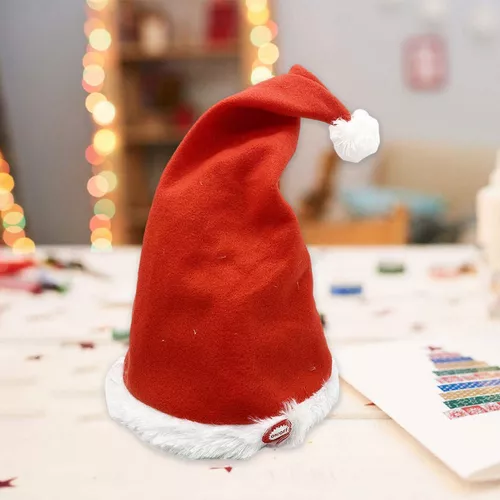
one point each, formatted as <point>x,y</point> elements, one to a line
<point>355,48</point>
<point>41,48</point>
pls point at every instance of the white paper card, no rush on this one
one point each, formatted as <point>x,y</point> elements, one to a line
<point>455,413</point>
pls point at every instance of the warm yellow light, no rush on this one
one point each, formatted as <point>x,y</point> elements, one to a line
<point>23,246</point>
<point>4,166</point>
<point>93,75</point>
<point>259,17</point>
<point>6,201</point>
<point>93,58</point>
<point>260,35</point>
<point>13,208</point>
<point>93,100</point>
<point>101,245</point>
<point>104,113</point>
<point>97,4</point>
<point>110,178</point>
<point>101,233</point>
<point>97,186</point>
<point>259,74</point>
<point>91,24</point>
<point>6,183</point>
<point>256,5</point>
<point>105,141</point>
<point>100,39</point>
<point>268,53</point>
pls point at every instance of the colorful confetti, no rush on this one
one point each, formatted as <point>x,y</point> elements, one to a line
<point>7,483</point>
<point>227,468</point>
<point>86,345</point>
<point>36,357</point>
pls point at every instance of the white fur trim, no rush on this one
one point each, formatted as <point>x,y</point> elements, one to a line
<point>357,138</point>
<point>196,440</point>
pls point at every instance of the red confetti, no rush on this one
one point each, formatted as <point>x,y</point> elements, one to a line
<point>228,469</point>
<point>87,345</point>
<point>433,348</point>
<point>7,483</point>
<point>371,404</point>
<point>36,357</point>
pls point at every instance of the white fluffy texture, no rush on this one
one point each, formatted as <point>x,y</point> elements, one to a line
<point>196,440</point>
<point>357,138</point>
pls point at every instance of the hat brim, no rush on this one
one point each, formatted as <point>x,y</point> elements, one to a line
<point>196,440</point>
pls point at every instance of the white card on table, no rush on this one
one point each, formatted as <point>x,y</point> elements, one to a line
<point>446,394</point>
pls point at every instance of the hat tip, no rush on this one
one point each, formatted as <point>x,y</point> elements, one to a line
<point>357,138</point>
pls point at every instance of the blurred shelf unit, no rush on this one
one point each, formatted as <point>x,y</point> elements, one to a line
<point>171,61</point>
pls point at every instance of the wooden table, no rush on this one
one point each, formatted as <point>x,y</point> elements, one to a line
<point>57,439</point>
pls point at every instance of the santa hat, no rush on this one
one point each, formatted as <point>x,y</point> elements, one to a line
<point>227,351</point>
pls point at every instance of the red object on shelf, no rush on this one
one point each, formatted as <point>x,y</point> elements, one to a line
<point>222,22</point>
<point>425,62</point>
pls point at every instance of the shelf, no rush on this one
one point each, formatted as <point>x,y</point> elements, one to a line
<point>153,133</point>
<point>133,53</point>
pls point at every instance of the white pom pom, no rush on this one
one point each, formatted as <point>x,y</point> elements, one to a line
<point>357,138</point>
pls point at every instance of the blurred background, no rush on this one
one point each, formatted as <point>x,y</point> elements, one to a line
<point>95,97</point>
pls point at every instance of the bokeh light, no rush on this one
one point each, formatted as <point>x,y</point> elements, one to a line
<point>101,245</point>
<point>273,27</point>
<point>93,157</point>
<point>104,141</point>
<point>259,74</point>
<point>97,4</point>
<point>258,17</point>
<point>89,88</point>
<point>6,200</point>
<point>93,58</point>
<point>13,219</point>
<point>93,100</point>
<point>94,75</point>
<point>97,186</point>
<point>105,207</point>
<point>268,53</point>
<point>23,246</point>
<point>92,24</point>
<point>100,221</point>
<point>6,182</point>
<point>4,166</point>
<point>260,35</point>
<point>100,39</point>
<point>104,112</point>
<point>256,5</point>
<point>101,233</point>
<point>111,179</point>
<point>11,234</point>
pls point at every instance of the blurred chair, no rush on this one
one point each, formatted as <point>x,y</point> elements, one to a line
<point>454,173</point>
<point>388,230</point>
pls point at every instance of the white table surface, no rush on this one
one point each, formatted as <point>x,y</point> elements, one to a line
<point>56,438</point>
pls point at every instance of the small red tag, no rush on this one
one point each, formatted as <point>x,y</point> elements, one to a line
<point>278,432</point>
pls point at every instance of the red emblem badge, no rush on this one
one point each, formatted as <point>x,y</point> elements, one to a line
<point>278,432</point>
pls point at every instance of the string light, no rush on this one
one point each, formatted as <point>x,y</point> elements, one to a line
<point>263,32</point>
<point>12,214</point>
<point>105,141</point>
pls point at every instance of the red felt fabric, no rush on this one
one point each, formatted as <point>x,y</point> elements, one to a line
<point>225,328</point>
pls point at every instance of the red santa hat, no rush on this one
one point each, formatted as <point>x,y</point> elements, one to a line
<point>227,351</point>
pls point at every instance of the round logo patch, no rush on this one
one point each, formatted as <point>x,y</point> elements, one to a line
<point>278,432</point>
